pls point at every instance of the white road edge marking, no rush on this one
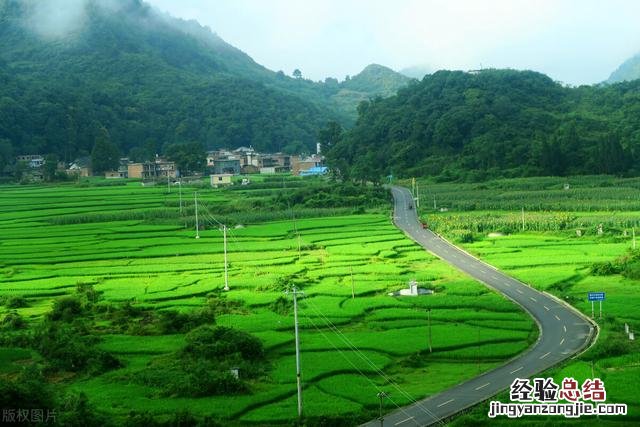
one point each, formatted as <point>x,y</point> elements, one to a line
<point>545,355</point>
<point>516,370</point>
<point>482,386</point>
<point>403,421</point>
<point>444,403</point>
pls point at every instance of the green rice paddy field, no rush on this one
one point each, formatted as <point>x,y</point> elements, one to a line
<point>132,244</point>
<point>555,252</point>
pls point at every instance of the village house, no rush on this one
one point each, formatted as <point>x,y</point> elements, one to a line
<point>222,179</point>
<point>158,169</point>
<point>81,167</point>
<point>226,166</point>
<point>31,160</point>
<point>308,163</point>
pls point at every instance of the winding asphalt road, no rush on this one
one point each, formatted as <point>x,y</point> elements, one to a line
<point>564,331</point>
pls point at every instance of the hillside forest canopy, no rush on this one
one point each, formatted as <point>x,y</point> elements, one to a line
<point>455,125</point>
<point>151,80</point>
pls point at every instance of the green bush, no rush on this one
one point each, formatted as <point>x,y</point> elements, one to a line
<point>632,270</point>
<point>604,268</point>
<point>16,302</point>
<point>66,309</point>
<point>222,343</point>
<point>13,321</point>
<point>77,411</point>
<point>614,345</point>
<point>28,391</point>
<point>71,348</point>
<point>282,305</point>
<point>189,378</point>
<point>218,303</point>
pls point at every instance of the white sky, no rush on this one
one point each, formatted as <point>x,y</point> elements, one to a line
<point>573,41</point>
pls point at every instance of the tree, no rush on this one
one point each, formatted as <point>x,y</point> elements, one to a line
<point>612,157</point>
<point>50,167</point>
<point>6,154</point>
<point>189,157</point>
<point>297,73</point>
<point>330,135</point>
<point>105,154</point>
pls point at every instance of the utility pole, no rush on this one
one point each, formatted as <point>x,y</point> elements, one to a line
<point>523,218</point>
<point>417,196</point>
<point>478,349</point>
<point>197,227</point>
<point>299,246</point>
<point>413,187</point>
<point>434,203</point>
<point>633,233</point>
<point>226,272</point>
<point>429,321</point>
<point>168,185</point>
<point>180,192</point>
<point>353,289</point>
<point>381,396</point>
<point>295,293</point>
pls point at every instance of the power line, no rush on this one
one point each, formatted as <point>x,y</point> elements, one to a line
<point>367,360</point>
<point>362,374</point>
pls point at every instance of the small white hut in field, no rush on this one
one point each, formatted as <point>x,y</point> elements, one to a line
<point>412,291</point>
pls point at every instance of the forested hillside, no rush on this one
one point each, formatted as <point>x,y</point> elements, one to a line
<point>147,79</point>
<point>456,125</point>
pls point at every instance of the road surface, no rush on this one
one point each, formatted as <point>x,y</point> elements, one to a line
<point>563,331</point>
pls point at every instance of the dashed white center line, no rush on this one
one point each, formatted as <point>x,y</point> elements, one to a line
<point>403,421</point>
<point>557,317</point>
<point>444,403</point>
<point>482,386</point>
<point>516,370</point>
<point>546,308</point>
<point>494,277</point>
<point>533,299</point>
<point>506,284</point>
<point>545,355</point>
<point>565,328</point>
<point>562,342</point>
<point>520,291</point>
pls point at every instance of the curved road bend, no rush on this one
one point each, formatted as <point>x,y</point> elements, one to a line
<point>563,332</point>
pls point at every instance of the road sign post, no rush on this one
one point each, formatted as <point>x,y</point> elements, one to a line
<point>596,296</point>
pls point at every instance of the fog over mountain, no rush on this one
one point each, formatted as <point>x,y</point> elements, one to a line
<point>572,41</point>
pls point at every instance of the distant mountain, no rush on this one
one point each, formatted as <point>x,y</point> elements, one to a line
<point>416,71</point>
<point>374,81</point>
<point>629,70</point>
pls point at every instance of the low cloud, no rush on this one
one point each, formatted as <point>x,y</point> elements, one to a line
<point>54,19</point>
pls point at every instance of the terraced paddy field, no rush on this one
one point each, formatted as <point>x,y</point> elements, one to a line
<point>571,237</point>
<point>128,253</point>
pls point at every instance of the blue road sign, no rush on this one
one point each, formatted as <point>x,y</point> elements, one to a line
<point>596,296</point>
